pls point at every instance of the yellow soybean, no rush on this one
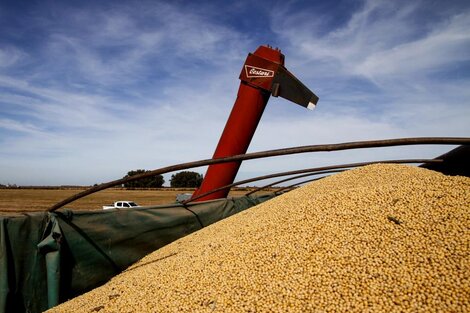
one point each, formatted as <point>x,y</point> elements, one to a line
<point>381,238</point>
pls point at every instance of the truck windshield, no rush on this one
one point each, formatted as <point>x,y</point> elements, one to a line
<point>132,204</point>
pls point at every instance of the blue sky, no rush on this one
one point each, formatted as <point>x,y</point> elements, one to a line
<point>92,89</point>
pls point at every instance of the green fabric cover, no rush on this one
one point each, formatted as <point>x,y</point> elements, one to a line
<point>48,258</point>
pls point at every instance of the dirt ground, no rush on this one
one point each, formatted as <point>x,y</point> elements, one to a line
<point>17,200</point>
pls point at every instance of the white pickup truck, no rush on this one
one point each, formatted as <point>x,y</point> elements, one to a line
<point>121,204</point>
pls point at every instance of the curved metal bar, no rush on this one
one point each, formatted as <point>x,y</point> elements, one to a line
<point>424,161</point>
<point>291,178</point>
<point>315,169</point>
<point>270,153</point>
<point>302,182</point>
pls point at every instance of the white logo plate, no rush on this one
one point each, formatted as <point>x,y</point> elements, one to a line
<point>252,72</point>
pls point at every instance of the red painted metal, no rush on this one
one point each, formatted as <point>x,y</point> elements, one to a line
<point>262,74</point>
<point>239,129</point>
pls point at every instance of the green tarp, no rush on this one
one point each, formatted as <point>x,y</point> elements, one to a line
<point>47,258</point>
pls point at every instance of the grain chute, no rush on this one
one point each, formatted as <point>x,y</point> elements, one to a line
<point>262,75</point>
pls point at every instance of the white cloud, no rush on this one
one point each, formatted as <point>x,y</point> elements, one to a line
<point>10,56</point>
<point>17,126</point>
<point>108,91</point>
<point>379,40</point>
<point>128,45</point>
<point>383,57</point>
<point>447,44</point>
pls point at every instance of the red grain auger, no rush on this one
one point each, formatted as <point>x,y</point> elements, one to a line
<point>262,75</point>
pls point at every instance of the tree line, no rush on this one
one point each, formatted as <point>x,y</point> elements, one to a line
<point>184,179</point>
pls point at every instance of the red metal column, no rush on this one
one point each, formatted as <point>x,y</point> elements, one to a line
<point>238,132</point>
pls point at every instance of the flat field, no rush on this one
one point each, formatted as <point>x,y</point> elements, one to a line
<point>19,200</point>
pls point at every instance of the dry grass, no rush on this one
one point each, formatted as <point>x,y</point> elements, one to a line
<point>29,200</point>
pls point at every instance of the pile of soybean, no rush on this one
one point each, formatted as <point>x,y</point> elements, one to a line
<point>381,238</point>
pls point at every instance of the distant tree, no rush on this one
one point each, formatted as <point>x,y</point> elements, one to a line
<point>185,179</point>
<point>150,182</point>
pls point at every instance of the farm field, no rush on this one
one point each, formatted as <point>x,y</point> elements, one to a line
<point>19,200</point>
